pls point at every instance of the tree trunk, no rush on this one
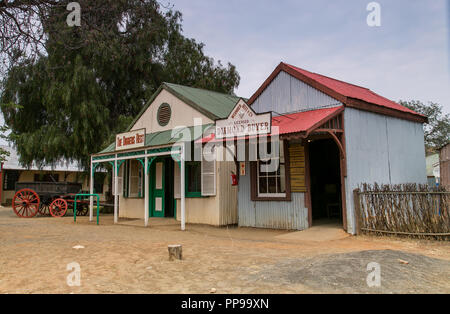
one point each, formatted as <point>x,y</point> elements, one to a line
<point>175,252</point>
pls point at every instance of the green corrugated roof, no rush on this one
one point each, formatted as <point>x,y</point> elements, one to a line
<point>216,103</point>
<point>160,138</point>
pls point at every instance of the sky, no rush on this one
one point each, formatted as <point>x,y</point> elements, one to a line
<point>405,58</point>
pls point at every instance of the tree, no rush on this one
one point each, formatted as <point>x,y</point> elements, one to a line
<point>70,100</point>
<point>3,152</point>
<point>437,131</point>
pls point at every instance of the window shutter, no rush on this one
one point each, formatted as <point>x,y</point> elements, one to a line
<point>119,182</point>
<point>209,173</point>
<point>125,179</point>
<point>177,180</point>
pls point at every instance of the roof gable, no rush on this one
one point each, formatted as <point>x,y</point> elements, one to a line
<point>349,94</point>
<point>213,105</point>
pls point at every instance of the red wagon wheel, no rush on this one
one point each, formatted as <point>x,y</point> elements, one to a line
<point>58,207</point>
<point>26,203</point>
<point>44,209</point>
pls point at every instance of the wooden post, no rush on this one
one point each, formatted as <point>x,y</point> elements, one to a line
<point>175,252</point>
<point>357,208</point>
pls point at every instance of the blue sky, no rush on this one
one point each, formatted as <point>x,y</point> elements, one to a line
<point>407,57</point>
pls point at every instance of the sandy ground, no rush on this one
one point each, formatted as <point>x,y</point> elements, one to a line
<point>128,258</point>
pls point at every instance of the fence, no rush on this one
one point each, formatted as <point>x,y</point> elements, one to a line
<point>403,210</point>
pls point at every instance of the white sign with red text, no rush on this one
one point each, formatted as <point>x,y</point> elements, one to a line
<point>130,140</point>
<point>243,121</point>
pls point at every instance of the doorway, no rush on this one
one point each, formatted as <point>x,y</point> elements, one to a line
<point>162,201</point>
<point>325,180</point>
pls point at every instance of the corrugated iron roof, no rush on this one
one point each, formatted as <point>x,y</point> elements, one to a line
<point>349,94</point>
<point>12,163</point>
<point>293,123</point>
<point>214,105</point>
<point>303,121</point>
<point>353,91</point>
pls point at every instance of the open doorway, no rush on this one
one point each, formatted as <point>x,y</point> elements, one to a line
<point>325,176</point>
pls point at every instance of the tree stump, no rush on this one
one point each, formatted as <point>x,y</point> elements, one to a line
<point>175,252</point>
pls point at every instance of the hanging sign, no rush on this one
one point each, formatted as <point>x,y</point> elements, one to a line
<point>130,140</point>
<point>243,121</point>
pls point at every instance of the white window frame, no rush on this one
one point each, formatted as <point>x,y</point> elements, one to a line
<point>278,177</point>
<point>138,177</point>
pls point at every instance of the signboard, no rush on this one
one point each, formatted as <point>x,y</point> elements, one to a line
<point>130,140</point>
<point>243,121</point>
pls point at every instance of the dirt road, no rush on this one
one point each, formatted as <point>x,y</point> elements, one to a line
<point>34,254</point>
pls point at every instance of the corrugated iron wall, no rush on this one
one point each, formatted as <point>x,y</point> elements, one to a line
<point>381,149</point>
<point>271,215</point>
<point>288,94</point>
<point>445,166</point>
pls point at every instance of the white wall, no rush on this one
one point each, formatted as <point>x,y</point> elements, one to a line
<point>182,114</point>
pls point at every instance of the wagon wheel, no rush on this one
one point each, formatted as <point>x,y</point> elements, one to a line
<point>44,207</point>
<point>26,203</point>
<point>82,210</point>
<point>58,207</point>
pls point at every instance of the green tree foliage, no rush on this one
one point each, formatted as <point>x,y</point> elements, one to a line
<point>4,154</point>
<point>92,80</point>
<point>437,131</point>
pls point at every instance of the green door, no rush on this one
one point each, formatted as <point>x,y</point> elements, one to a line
<point>157,199</point>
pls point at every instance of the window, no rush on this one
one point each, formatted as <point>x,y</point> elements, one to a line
<point>135,178</point>
<point>10,177</point>
<point>193,179</point>
<point>270,177</point>
<point>131,177</point>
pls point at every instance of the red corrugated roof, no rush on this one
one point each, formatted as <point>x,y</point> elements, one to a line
<point>304,121</point>
<point>294,123</point>
<point>349,94</point>
<point>353,91</point>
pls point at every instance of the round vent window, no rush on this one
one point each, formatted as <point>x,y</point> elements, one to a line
<point>164,114</point>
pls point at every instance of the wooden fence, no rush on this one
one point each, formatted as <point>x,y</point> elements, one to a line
<point>409,210</point>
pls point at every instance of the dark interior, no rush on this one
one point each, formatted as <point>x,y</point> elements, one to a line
<point>169,201</point>
<point>325,180</point>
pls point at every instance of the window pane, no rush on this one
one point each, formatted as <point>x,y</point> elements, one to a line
<point>134,179</point>
<point>263,185</point>
<point>272,185</point>
<point>194,173</point>
<point>282,180</point>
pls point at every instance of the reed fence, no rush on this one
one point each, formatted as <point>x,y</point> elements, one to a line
<point>410,210</point>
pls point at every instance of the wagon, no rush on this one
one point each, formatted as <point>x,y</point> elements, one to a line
<point>47,198</point>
